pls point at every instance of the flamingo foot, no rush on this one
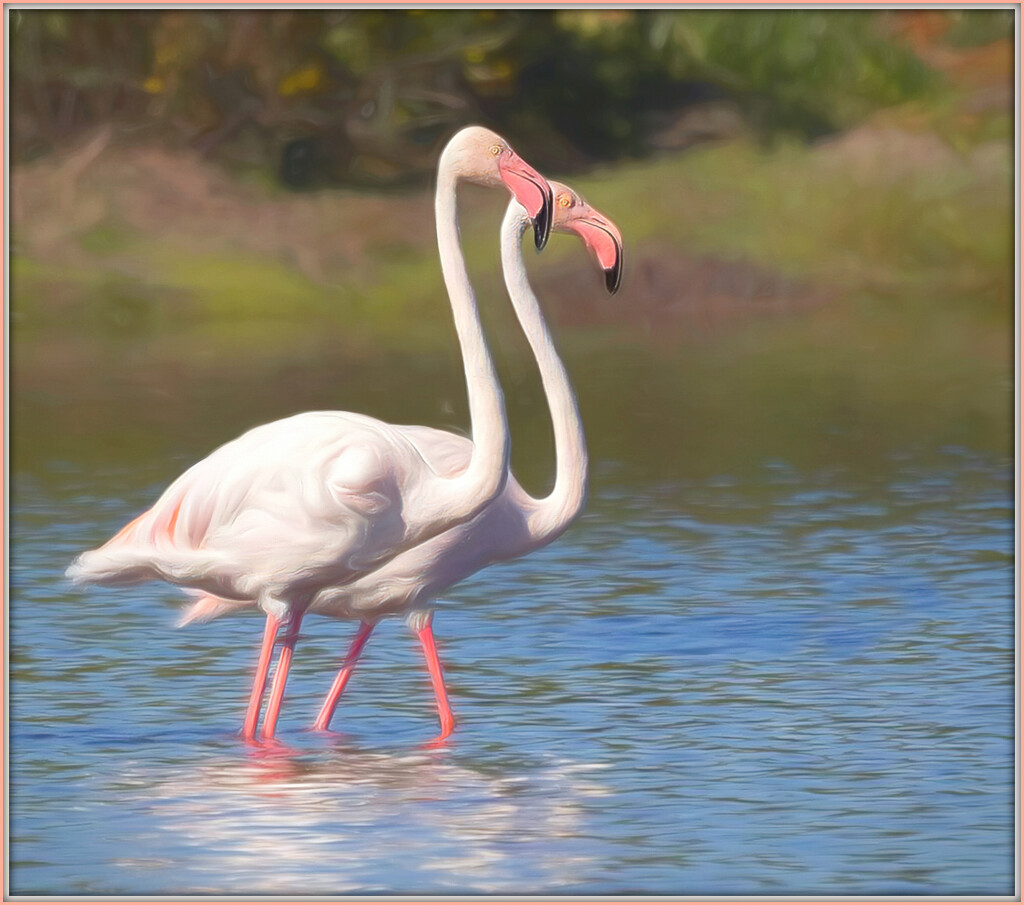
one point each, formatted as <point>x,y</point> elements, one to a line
<point>270,748</point>
<point>440,741</point>
<point>444,710</point>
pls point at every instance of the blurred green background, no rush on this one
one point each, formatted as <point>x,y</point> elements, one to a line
<point>817,209</point>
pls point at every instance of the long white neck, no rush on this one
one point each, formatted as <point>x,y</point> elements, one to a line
<point>551,515</point>
<point>464,496</point>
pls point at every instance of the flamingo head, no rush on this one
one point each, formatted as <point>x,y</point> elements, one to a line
<point>602,237</point>
<point>484,157</point>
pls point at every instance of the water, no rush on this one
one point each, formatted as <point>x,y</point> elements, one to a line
<point>773,675</point>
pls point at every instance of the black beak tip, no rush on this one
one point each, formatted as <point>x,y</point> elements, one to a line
<point>542,222</point>
<point>613,278</point>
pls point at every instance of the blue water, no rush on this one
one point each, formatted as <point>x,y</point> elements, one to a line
<point>792,681</point>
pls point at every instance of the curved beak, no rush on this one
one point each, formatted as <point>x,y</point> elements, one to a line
<point>604,240</point>
<point>532,191</point>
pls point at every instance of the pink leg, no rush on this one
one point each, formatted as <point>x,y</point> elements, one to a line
<point>323,720</point>
<point>252,715</point>
<point>444,711</point>
<point>281,675</point>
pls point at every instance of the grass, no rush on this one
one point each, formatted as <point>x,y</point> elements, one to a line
<point>944,225</point>
<point>903,213</point>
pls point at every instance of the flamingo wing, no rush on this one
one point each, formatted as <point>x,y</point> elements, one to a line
<point>289,506</point>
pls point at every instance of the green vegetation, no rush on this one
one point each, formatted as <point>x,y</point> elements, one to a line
<point>974,27</point>
<point>887,225</point>
<point>886,212</point>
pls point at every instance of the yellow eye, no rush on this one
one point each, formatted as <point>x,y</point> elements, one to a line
<point>495,150</point>
<point>564,200</point>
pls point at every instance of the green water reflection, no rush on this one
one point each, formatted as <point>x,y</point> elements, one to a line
<point>846,386</point>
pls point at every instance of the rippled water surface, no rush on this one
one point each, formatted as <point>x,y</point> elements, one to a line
<point>786,679</point>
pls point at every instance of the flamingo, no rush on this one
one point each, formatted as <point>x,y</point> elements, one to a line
<point>515,523</point>
<point>317,499</point>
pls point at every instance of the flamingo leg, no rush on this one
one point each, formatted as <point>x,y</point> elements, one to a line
<point>323,719</point>
<point>444,711</point>
<point>284,662</point>
<point>252,715</point>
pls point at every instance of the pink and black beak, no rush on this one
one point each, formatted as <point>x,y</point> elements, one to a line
<point>604,240</point>
<point>531,190</point>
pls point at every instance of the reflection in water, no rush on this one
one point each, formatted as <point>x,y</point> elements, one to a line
<point>278,822</point>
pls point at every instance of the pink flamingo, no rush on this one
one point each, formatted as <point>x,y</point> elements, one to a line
<point>515,523</point>
<point>316,500</point>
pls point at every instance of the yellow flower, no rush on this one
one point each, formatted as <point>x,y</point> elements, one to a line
<point>303,80</point>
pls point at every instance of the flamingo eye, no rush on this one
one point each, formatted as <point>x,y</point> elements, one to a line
<point>495,150</point>
<point>564,200</point>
